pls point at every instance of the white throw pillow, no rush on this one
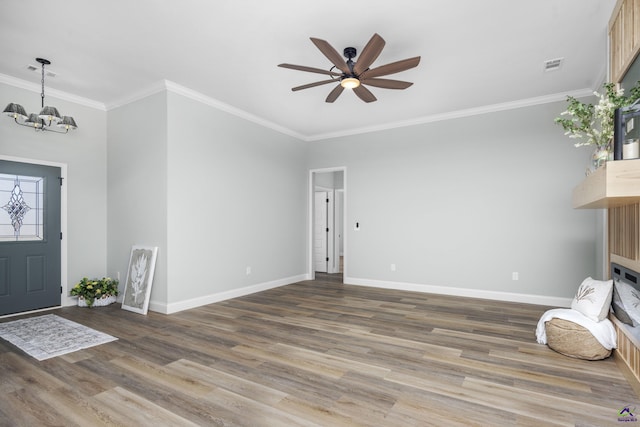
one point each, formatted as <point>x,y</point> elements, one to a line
<point>630,298</point>
<point>593,298</point>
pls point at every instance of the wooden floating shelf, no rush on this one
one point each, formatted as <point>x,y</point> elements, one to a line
<point>617,183</point>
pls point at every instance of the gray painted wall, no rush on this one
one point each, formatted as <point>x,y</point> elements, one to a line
<point>236,199</point>
<point>84,153</point>
<point>460,203</point>
<point>464,203</point>
<point>137,188</point>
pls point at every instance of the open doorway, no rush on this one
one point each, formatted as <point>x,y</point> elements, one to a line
<point>327,211</point>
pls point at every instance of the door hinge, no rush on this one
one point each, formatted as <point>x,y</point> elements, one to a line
<point>61,235</point>
<point>327,200</point>
<point>60,289</point>
<point>60,178</point>
<point>327,229</point>
<point>327,259</point>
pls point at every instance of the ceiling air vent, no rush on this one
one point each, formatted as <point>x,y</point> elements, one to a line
<point>38,69</point>
<point>553,64</point>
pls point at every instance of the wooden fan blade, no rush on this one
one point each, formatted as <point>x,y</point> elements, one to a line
<point>392,68</point>
<point>334,94</point>
<point>369,54</point>
<point>331,54</point>
<point>386,83</point>
<point>307,86</point>
<point>309,69</point>
<point>364,94</point>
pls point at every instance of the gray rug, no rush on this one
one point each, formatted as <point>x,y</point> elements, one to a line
<point>48,336</point>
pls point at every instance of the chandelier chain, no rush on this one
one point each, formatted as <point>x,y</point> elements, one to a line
<point>42,81</point>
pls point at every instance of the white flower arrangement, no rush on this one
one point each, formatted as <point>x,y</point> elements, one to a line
<point>594,124</point>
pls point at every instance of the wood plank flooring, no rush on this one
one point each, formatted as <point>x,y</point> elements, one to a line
<point>315,353</point>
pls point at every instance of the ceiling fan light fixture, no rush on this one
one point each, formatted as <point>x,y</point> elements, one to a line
<point>352,72</point>
<point>349,82</point>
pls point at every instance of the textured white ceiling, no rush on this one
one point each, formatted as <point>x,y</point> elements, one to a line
<point>475,53</point>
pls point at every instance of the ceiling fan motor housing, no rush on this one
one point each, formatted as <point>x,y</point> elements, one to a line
<point>349,52</point>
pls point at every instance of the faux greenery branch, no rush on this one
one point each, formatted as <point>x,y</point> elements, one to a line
<point>594,124</point>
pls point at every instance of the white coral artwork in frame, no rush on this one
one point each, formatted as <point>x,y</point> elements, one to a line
<point>137,289</point>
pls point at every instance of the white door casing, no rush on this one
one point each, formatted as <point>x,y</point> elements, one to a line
<point>339,229</point>
<point>332,266</point>
<point>341,244</point>
<point>320,241</point>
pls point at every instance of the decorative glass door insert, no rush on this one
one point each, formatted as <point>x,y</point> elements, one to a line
<point>21,208</point>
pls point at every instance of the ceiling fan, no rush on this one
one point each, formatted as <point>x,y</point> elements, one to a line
<point>355,75</point>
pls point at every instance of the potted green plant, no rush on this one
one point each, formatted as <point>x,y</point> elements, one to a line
<point>95,292</point>
<point>593,125</point>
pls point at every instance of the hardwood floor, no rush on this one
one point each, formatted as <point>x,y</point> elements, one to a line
<point>314,353</point>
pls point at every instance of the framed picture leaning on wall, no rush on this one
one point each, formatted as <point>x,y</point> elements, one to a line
<point>137,288</point>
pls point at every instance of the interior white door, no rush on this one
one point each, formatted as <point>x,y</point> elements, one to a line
<point>320,234</point>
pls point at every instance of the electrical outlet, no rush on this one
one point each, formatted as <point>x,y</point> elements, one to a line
<point>393,267</point>
<point>118,276</point>
<point>248,271</point>
<point>515,275</point>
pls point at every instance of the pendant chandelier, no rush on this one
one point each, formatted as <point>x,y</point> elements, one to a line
<point>47,120</point>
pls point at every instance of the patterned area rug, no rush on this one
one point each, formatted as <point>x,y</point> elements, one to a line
<point>48,336</point>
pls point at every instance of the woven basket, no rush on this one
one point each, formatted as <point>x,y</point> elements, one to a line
<point>573,340</point>
<point>98,302</point>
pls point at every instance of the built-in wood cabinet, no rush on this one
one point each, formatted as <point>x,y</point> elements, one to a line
<point>624,236</point>
<point>617,183</point>
<point>624,37</point>
<point>616,186</point>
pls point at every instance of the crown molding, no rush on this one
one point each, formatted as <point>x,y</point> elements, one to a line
<point>166,85</point>
<point>65,96</point>
<point>181,90</point>
<point>197,96</point>
<point>546,99</point>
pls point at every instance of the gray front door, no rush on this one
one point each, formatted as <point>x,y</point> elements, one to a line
<point>29,237</point>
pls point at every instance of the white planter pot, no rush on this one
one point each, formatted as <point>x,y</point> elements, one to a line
<point>98,302</point>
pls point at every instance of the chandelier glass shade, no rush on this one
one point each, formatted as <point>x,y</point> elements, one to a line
<point>47,120</point>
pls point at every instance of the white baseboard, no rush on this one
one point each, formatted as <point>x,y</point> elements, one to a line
<point>175,307</point>
<point>68,301</point>
<point>462,292</point>
<point>402,286</point>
